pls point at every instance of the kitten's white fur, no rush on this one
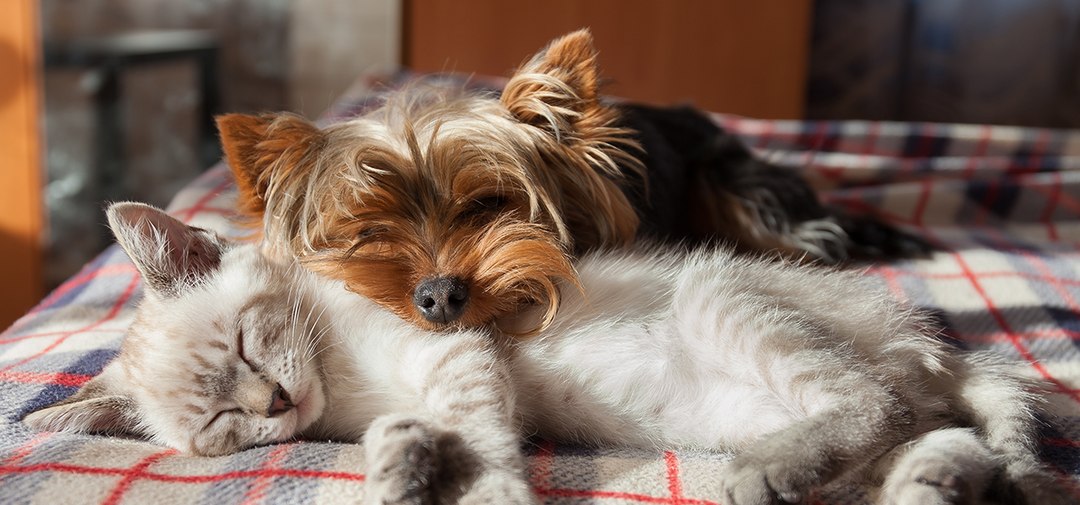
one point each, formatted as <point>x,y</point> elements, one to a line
<point>809,374</point>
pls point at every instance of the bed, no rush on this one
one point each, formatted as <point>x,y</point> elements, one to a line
<point>1001,203</point>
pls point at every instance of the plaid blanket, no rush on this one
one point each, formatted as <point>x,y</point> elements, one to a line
<point>1002,203</point>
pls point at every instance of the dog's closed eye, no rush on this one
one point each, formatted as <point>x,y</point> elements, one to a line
<point>370,233</point>
<point>492,203</point>
<point>368,240</point>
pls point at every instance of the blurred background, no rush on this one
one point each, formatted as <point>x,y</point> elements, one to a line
<point>113,99</point>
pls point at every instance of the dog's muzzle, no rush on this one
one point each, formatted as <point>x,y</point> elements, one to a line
<point>441,300</point>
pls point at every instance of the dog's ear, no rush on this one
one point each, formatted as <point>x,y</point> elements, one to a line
<point>557,89</point>
<point>263,150</point>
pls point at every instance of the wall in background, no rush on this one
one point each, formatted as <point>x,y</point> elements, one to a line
<point>968,61</point>
<point>722,55</point>
<point>20,157</point>
<point>331,42</point>
<point>273,55</point>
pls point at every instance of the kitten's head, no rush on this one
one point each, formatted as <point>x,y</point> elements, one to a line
<point>221,356</point>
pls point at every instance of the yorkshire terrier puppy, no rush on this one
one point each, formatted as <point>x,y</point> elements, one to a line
<point>453,208</point>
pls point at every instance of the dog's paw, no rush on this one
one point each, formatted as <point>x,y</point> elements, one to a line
<point>402,462</point>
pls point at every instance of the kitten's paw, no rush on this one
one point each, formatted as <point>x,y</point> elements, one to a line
<point>412,462</point>
<point>941,484</point>
<point>950,466</point>
<point>750,480</point>
<point>402,462</point>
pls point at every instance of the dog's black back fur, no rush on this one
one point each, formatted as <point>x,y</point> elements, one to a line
<point>689,159</point>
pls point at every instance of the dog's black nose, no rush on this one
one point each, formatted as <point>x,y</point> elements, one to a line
<point>441,299</point>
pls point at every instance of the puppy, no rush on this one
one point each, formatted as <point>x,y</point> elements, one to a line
<point>454,208</point>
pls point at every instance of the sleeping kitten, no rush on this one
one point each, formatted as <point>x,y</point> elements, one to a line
<point>808,374</point>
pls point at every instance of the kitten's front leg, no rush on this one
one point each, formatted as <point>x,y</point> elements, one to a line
<point>412,461</point>
<point>460,443</point>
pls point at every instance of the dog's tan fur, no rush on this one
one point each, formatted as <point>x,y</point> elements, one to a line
<point>442,183</point>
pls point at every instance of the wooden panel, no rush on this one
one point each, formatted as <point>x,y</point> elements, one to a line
<point>732,56</point>
<point>21,213</point>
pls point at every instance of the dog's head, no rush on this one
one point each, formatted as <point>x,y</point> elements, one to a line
<point>450,208</point>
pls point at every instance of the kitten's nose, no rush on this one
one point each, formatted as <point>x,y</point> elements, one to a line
<point>279,402</point>
<point>441,300</point>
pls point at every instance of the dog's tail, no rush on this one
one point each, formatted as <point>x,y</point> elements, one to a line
<point>779,210</point>
<point>705,185</point>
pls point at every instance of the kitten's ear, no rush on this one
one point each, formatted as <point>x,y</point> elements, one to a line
<point>264,151</point>
<point>98,407</point>
<point>169,254</point>
<point>558,88</point>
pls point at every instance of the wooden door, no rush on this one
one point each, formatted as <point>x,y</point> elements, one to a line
<point>736,56</point>
<point>21,212</point>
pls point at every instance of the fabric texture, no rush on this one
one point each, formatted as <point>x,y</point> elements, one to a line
<point>1002,203</point>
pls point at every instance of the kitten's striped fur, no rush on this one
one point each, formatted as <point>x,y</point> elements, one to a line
<point>809,375</point>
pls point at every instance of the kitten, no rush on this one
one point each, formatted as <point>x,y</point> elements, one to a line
<point>809,375</point>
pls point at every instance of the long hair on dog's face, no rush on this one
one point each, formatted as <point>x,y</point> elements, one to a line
<point>450,208</point>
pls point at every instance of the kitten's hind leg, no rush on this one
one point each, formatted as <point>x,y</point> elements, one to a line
<point>864,422</point>
<point>951,466</point>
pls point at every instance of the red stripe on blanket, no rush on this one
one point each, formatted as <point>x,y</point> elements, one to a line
<point>59,379</point>
<point>76,281</point>
<point>55,333</point>
<point>185,215</point>
<point>891,280</point>
<point>257,491</point>
<point>112,314</point>
<point>674,484</point>
<point>1057,283</point>
<point>28,447</point>
<point>540,466</point>
<point>1013,338</point>
<point>140,468</point>
<point>925,190</point>
<point>180,479</point>
<point>1054,196</point>
<point>1050,278</point>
